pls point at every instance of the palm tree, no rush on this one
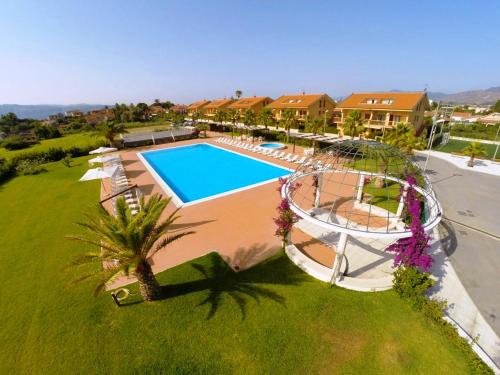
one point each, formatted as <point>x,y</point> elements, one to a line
<point>127,242</point>
<point>203,126</point>
<point>110,129</point>
<point>196,115</point>
<point>266,117</point>
<point>288,119</point>
<point>249,117</point>
<point>473,150</point>
<point>234,116</point>
<point>238,93</point>
<point>403,137</point>
<point>220,116</point>
<point>354,123</point>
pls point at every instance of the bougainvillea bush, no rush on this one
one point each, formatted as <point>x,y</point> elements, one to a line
<point>286,217</point>
<point>412,251</point>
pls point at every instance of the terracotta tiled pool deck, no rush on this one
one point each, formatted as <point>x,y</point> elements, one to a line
<point>238,226</point>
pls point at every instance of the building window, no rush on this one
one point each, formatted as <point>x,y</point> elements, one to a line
<point>387,101</point>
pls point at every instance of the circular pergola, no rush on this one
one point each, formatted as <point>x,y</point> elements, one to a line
<point>357,188</point>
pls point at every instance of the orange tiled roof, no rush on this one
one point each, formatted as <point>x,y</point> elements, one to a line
<point>383,100</point>
<point>295,101</point>
<point>198,104</point>
<point>245,103</point>
<point>214,104</point>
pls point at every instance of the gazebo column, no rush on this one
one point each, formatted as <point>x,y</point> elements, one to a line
<point>317,195</point>
<point>339,257</point>
<point>361,184</point>
<point>402,202</point>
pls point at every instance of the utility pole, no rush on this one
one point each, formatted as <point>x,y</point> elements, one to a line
<point>431,137</point>
<point>496,140</point>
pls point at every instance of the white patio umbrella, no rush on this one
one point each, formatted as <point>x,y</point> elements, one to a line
<point>99,174</point>
<point>103,159</point>
<point>102,150</point>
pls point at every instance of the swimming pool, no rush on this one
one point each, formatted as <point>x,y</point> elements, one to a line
<point>196,173</point>
<point>273,145</point>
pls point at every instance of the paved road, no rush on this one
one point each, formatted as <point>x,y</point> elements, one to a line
<point>471,198</point>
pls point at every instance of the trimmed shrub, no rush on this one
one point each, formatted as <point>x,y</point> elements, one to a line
<point>15,142</point>
<point>30,166</point>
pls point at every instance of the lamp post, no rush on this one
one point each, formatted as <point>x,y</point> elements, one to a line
<point>496,140</point>
<point>324,122</point>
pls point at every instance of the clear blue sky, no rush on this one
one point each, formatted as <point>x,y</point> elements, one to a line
<point>106,51</point>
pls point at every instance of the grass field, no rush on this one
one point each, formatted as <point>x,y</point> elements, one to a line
<point>76,140</point>
<point>271,319</point>
<point>457,146</point>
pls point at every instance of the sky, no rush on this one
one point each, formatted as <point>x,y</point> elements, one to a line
<point>107,51</point>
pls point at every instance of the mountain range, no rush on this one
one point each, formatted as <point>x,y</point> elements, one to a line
<point>488,96</point>
<point>42,111</point>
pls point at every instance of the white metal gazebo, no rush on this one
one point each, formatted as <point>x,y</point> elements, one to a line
<point>355,188</point>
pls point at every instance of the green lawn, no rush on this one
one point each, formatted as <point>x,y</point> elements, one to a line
<point>76,140</point>
<point>457,146</point>
<point>386,197</point>
<point>272,319</point>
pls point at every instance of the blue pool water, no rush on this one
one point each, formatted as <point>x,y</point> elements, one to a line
<point>201,171</point>
<point>272,145</point>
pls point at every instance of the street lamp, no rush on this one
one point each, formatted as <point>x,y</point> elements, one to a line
<point>496,140</point>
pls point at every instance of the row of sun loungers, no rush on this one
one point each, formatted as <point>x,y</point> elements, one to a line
<point>120,182</point>
<point>280,155</point>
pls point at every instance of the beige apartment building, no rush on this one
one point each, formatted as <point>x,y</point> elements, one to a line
<point>197,106</point>
<point>256,104</point>
<point>315,106</point>
<point>215,105</point>
<point>381,110</point>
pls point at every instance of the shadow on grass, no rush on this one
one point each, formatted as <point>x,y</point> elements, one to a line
<point>219,280</point>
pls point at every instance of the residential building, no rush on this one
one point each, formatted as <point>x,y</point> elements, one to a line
<point>315,106</point>
<point>491,119</point>
<point>74,114</point>
<point>179,108</point>
<point>197,106</point>
<point>216,105</point>
<point>381,110</point>
<point>256,104</point>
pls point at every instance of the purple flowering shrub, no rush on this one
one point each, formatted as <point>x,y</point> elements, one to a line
<point>411,251</point>
<point>286,217</point>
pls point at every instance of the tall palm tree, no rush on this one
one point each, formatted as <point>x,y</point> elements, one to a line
<point>196,115</point>
<point>233,115</point>
<point>474,149</point>
<point>110,129</point>
<point>403,137</point>
<point>126,243</point>
<point>354,123</point>
<point>289,119</point>
<point>313,126</point>
<point>249,117</point>
<point>220,116</point>
<point>238,93</point>
<point>266,117</point>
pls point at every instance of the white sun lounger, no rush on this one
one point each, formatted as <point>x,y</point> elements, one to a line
<point>280,155</point>
<point>301,160</point>
<point>286,157</point>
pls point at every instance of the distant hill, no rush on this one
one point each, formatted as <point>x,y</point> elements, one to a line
<point>488,96</point>
<point>42,111</point>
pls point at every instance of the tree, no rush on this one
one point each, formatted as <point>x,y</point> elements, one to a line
<point>249,117</point>
<point>238,93</point>
<point>313,125</point>
<point>220,116</point>
<point>473,150</point>
<point>403,137</point>
<point>266,117</point>
<point>354,123</point>
<point>288,119</point>
<point>126,243</point>
<point>496,107</point>
<point>110,129</point>
<point>196,115</point>
<point>203,126</point>
<point>143,112</point>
